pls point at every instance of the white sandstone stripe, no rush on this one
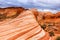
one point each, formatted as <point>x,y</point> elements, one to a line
<point>38,36</point>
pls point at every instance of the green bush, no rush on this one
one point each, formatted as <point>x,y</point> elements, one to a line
<point>58,38</point>
<point>51,33</point>
<point>43,26</point>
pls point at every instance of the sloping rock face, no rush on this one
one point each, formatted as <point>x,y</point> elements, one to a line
<point>22,27</point>
<point>10,12</point>
<point>50,20</point>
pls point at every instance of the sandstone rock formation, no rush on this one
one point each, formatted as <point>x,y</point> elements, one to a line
<point>25,26</point>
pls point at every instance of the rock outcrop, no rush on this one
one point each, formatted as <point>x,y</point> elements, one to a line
<point>23,27</point>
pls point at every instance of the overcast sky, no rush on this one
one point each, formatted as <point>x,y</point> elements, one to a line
<point>40,4</point>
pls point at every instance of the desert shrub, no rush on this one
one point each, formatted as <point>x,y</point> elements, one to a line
<point>51,33</point>
<point>43,26</point>
<point>58,38</point>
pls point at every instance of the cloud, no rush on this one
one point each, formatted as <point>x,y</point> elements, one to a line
<point>41,4</point>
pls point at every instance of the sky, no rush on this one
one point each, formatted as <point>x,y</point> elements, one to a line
<point>39,4</point>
